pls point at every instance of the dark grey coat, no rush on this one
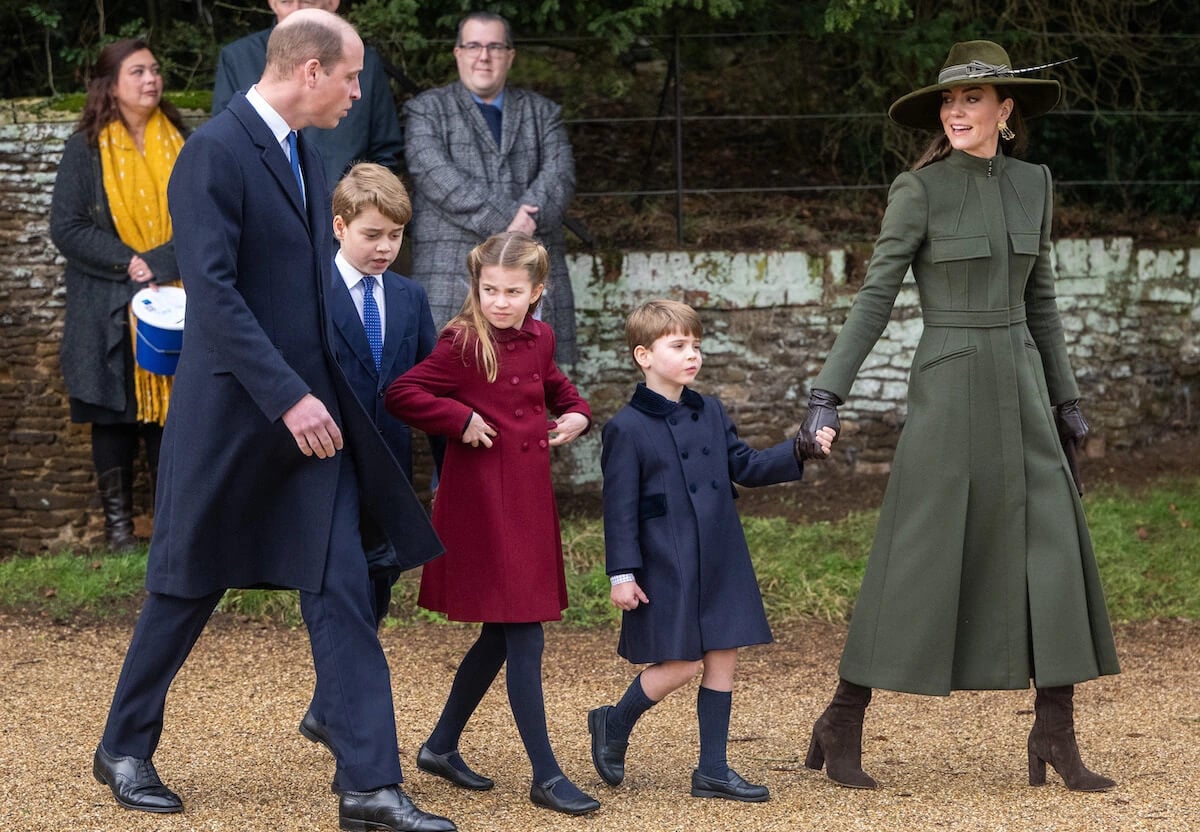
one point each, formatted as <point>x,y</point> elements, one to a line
<point>466,188</point>
<point>96,330</point>
<point>669,518</point>
<point>982,574</point>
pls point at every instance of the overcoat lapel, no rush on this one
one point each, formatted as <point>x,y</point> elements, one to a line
<point>273,157</point>
<point>394,301</point>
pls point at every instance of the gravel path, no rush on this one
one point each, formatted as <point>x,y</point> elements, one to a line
<point>232,751</point>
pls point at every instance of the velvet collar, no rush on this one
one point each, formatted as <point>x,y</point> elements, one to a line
<point>654,404</point>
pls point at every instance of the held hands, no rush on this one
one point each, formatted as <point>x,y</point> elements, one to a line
<point>568,427</point>
<point>478,432</point>
<point>821,420</point>
<point>1072,428</point>
<point>138,271</point>
<point>524,220</point>
<point>626,596</point>
<point>313,428</point>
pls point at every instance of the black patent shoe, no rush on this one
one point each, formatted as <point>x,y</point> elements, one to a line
<point>439,765</point>
<point>134,783</point>
<point>608,757</point>
<point>389,809</point>
<point>314,731</point>
<point>733,788</point>
<point>542,794</point>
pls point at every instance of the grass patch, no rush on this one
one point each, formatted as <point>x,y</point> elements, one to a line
<point>1148,550</point>
<point>1147,544</point>
<point>67,583</point>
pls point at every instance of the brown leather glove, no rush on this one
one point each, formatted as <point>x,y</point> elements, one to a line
<point>822,412</point>
<point>1072,428</point>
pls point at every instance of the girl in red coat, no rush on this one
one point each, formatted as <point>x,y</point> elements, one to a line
<point>491,383</point>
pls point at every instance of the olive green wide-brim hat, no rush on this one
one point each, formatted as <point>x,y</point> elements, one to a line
<point>975,63</point>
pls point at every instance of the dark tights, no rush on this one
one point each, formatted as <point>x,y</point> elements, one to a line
<point>521,646</point>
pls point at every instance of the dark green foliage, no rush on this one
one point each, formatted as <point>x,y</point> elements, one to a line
<point>823,72</point>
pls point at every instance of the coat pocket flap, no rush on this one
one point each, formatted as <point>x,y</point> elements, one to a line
<point>945,249</point>
<point>652,505</point>
<point>1025,242</point>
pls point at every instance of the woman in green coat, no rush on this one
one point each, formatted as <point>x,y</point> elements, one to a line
<point>982,575</point>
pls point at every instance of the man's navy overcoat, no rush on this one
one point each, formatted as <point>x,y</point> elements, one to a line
<point>238,505</point>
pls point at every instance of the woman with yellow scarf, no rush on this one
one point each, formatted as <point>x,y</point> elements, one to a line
<point>109,220</point>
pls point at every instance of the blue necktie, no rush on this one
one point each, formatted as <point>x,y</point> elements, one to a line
<point>371,320</point>
<point>493,115</point>
<point>294,153</point>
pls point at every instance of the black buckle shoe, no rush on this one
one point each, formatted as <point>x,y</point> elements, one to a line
<point>607,757</point>
<point>439,765</point>
<point>314,731</point>
<point>134,783</point>
<point>388,808</point>
<point>542,794</point>
<point>733,788</point>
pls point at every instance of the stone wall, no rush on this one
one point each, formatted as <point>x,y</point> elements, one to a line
<point>1131,313</point>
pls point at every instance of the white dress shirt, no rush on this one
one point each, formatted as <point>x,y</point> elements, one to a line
<point>354,282</point>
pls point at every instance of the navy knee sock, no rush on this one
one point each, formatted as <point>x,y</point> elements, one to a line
<point>626,712</point>
<point>524,677</point>
<point>713,708</point>
<point>475,675</point>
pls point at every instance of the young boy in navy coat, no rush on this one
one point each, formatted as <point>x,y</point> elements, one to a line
<point>676,555</point>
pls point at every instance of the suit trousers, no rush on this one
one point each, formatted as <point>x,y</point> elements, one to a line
<point>353,681</point>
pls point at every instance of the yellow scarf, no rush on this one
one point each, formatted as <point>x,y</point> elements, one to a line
<point>135,183</point>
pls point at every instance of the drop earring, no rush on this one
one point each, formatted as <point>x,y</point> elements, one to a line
<point>1006,132</point>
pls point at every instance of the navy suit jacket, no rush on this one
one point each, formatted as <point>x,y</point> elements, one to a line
<point>238,504</point>
<point>369,133</point>
<point>409,337</point>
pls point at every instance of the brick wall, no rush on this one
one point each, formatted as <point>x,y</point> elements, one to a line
<point>1131,313</point>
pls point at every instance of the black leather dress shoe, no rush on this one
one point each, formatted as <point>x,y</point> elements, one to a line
<point>134,783</point>
<point>608,757</point>
<point>542,794</point>
<point>390,809</point>
<point>735,788</point>
<point>314,731</point>
<point>440,765</point>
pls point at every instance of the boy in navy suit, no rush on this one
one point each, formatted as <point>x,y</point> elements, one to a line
<point>676,555</point>
<point>380,336</point>
<point>382,326</point>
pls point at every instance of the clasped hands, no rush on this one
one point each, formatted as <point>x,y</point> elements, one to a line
<point>562,430</point>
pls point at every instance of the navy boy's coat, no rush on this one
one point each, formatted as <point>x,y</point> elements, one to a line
<point>669,518</point>
<point>238,505</point>
<point>410,336</point>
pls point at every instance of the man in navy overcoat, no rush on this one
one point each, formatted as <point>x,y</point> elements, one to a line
<point>266,452</point>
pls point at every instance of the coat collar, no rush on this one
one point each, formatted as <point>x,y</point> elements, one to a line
<point>654,404</point>
<point>976,164</point>
<point>528,329</point>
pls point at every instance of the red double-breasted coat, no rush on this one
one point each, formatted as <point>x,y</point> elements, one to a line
<point>495,509</point>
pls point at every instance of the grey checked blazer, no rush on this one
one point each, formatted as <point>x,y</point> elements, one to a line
<point>466,189</point>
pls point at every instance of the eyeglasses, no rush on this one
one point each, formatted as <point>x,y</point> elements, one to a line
<point>494,50</point>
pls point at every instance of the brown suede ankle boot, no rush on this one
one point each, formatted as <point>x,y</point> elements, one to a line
<point>837,738</point>
<point>1052,741</point>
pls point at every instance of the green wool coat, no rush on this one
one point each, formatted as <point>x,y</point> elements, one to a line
<point>982,574</point>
